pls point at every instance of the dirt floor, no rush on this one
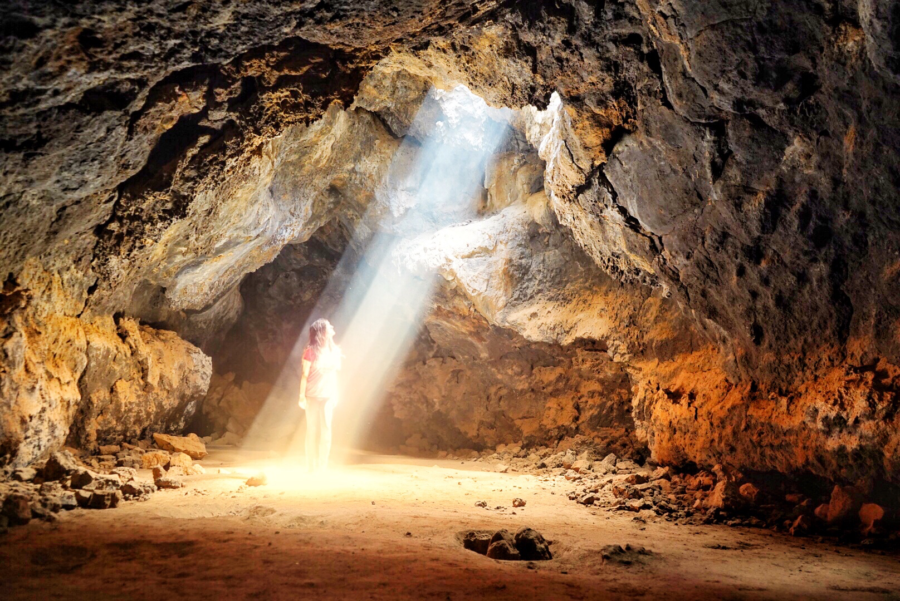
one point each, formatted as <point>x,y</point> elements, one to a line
<point>386,528</point>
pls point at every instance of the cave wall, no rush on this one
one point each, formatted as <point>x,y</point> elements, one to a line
<point>728,171</point>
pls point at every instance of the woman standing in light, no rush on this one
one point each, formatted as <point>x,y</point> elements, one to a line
<point>318,391</point>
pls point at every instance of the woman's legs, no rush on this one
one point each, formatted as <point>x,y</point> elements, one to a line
<point>313,433</point>
<point>325,433</point>
<point>319,413</point>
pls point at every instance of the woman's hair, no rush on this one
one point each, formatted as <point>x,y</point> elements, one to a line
<point>319,335</point>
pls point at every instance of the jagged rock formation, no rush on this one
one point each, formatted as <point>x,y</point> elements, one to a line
<point>693,241</point>
<point>88,382</point>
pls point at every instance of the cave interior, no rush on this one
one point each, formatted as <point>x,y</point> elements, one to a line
<point>624,275</point>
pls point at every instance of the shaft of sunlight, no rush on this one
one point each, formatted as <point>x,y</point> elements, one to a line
<point>434,181</point>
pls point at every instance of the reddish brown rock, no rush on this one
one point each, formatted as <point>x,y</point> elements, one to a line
<point>870,514</point>
<point>749,492</point>
<point>845,501</point>
<point>800,526</point>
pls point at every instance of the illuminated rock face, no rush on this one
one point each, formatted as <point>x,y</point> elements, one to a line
<point>86,382</point>
<point>714,214</point>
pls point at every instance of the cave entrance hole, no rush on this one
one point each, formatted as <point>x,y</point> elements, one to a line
<point>383,283</point>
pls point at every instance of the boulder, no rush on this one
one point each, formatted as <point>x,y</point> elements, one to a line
<point>130,461</point>
<point>749,492</point>
<point>82,478</point>
<point>478,541</point>
<point>582,465</point>
<point>59,465</point>
<point>503,546</point>
<point>609,461</point>
<point>845,501</point>
<point>169,482</point>
<point>110,449</point>
<point>155,458</point>
<point>139,489</point>
<point>83,497</point>
<point>800,526</point>
<point>158,472</point>
<point>17,508</point>
<point>180,460</point>
<point>104,499</point>
<point>531,545</point>
<point>193,447</point>
<point>869,515</point>
<point>125,474</point>
<point>88,480</point>
<point>723,495</point>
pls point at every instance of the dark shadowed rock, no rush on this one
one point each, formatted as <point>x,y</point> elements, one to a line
<point>531,545</point>
<point>17,508</point>
<point>477,540</point>
<point>502,546</point>
<point>59,465</point>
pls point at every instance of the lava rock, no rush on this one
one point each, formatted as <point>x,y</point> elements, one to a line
<point>503,546</point>
<point>869,515</point>
<point>138,489</point>
<point>800,526</point>
<point>104,499</point>
<point>168,482</point>
<point>89,480</point>
<point>477,540</point>
<point>59,465</point>
<point>532,546</point>
<point>17,508</point>
<point>749,492</point>
<point>191,446</point>
<point>180,460</point>
<point>153,459</point>
<point>24,474</point>
<point>845,501</point>
<point>125,474</point>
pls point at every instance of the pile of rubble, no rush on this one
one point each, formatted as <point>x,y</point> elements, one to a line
<point>703,497</point>
<point>527,544</point>
<point>70,479</point>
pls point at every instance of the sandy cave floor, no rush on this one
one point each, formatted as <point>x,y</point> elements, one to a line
<point>386,528</point>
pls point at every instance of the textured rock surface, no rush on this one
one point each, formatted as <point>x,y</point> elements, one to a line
<point>86,381</point>
<point>717,215</point>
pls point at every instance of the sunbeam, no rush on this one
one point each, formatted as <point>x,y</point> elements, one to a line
<point>433,182</point>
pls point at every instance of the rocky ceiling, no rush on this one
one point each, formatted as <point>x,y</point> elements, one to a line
<point>693,246</point>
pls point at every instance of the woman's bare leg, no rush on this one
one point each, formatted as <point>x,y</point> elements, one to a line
<point>313,428</point>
